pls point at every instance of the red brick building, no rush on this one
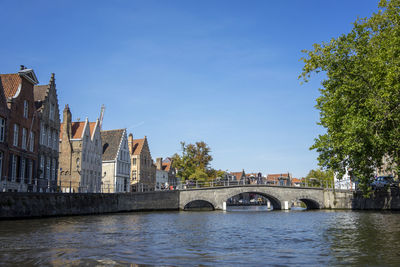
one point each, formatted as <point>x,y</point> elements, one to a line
<point>20,130</point>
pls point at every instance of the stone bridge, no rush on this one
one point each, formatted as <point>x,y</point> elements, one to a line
<point>281,197</point>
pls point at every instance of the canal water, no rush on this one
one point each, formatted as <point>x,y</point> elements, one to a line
<point>240,237</point>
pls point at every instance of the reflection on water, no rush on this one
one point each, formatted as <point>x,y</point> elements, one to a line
<point>235,237</point>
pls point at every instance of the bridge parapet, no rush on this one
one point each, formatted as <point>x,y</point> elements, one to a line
<point>281,197</point>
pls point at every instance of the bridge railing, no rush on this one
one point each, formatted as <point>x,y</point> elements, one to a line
<point>224,183</point>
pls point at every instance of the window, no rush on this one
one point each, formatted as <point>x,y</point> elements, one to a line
<point>31,141</point>
<point>29,171</point>
<point>1,164</point>
<point>2,128</point>
<point>23,138</point>
<point>42,134</point>
<point>53,169</point>
<point>134,162</point>
<point>23,168</point>
<point>49,137</point>
<point>55,140</point>
<point>14,168</point>
<point>16,128</point>
<point>41,167</point>
<point>25,109</point>
<point>51,114</point>
<point>48,169</point>
<point>133,175</point>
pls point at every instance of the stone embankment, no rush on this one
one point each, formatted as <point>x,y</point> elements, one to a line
<point>25,205</point>
<point>30,205</point>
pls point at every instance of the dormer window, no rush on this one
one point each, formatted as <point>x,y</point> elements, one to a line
<point>25,109</point>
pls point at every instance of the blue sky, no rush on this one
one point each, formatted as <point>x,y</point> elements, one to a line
<point>224,72</point>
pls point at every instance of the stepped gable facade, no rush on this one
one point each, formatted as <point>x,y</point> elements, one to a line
<point>80,155</point>
<point>143,170</point>
<point>46,103</point>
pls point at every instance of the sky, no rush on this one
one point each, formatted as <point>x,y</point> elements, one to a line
<point>222,72</point>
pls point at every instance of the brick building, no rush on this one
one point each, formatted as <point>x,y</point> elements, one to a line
<point>143,170</point>
<point>80,155</point>
<point>46,102</point>
<point>19,131</point>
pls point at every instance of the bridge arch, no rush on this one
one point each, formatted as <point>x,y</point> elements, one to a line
<point>275,202</point>
<point>310,202</point>
<point>199,204</point>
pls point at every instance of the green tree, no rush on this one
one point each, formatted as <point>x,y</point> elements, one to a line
<point>319,178</point>
<point>194,161</point>
<point>360,95</point>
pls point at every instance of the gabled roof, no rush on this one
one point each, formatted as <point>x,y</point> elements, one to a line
<point>238,175</point>
<point>10,84</point>
<point>111,141</point>
<point>77,129</point>
<point>138,146</point>
<point>40,92</point>
<point>166,166</point>
<point>295,180</point>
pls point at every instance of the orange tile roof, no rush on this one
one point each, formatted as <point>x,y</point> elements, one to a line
<point>295,180</point>
<point>166,166</point>
<point>10,84</point>
<point>238,175</point>
<point>275,177</point>
<point>77,129</point>
<point>138,146</point>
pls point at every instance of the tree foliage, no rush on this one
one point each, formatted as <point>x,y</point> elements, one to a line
<point>360,96</point>
<point>320,178</point>
<point>194,161</point>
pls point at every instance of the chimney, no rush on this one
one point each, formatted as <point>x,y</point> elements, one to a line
<point>159,163</point>
<point>130,143</point>
<point>67,121</point>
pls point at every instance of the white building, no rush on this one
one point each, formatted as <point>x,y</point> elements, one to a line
<point>344,182</point>
<point>116,161</point>
<point>161,175</point>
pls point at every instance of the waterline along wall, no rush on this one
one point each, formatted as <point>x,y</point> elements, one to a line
<point>25,205</point>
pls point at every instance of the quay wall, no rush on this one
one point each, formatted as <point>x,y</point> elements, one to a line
<point>24,205</point>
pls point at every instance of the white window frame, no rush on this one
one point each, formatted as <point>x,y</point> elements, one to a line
<point>15,140</point>
<point>48,162</point>
<point>24,133</point>
<point>23,162</point>
<point>53,169</point>
<point>42,167</point>
<point>14,168</point>
<point>49,137</point>
<point>31,141</point>
<point>25,109</point>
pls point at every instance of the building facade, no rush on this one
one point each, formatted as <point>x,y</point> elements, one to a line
<point>161,175</point>
<point>46,103</point>
<point>19,131</point>
<point>80,155</point>
<point>116,161</point>
<point>167,166</point>
<point>143,170</point>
